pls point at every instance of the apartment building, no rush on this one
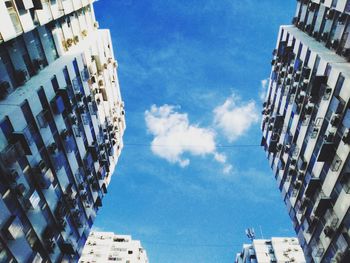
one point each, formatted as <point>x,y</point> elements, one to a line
<point>274,250</point>
<point>104,247</point>
<point>306,126</point>
<point>62,120</point>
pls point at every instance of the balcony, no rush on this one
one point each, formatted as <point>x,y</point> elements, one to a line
<point>69,144</point>
<point>44,178</point>
<point>101,173</point>
<point>76,85</point>
<point>43,11</point>
<point>13,229</point>
<point>24,138</point>
<point>331,223</point>
<point>88,161</point>
<point>327,152</point>
<point>312,187</point>
<point>5,88</point>
<point>68,248</point>
<point>58,104</point>
<point>85,74</point>
<point>11,153</point>
<point>321,205</point>
<point>345,182</point>
<point>317,251</point>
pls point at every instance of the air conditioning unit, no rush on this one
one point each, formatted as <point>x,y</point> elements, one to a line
<point>301,97</point>
<point>279,147</point>
<point>79,96</point>
<point>301,175</point>
<point>306,201</point>
<point>292,171</point>
<point>21,189</point>
<point>338,257</point>
<point>62,223</point>
<point>287,147</point>
<point>329,136</point>
<point>335,120</point>
<point>52,148</point>
<point>306,72</point>
<point>65,134</point>
<point>342,18</point>
<point>329,231</point>
<point>327,93</point>
<point>324,36</point>
<point>13,174</point>
<point>41,166</point>
<point>308,108</point>
<point>330,14</point>
<point>312,6</point>
<point>73,118</point>
<point>297,184</point>
<point>346,137</point>
<point>84,196</point>
<point>81,107</point>
<point>335,43</point>
<point>293,161</point>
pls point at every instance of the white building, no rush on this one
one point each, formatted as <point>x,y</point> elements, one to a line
<point>104,247</point>
<point>61,127</point>
<point>306,126</point>
<point>276,250</point>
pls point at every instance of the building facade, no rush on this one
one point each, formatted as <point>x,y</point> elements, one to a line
<point>276,250</point>
<point>104,247</point>
<point>61,127</point>
<point>306,126</point>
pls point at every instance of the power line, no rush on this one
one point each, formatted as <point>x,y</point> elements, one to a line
<point>191,244</point>
<point>190,145</point>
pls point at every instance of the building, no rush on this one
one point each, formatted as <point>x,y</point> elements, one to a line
<point>103,247</point>
<point>306,126</point>
<point>61,127</point>
<point>276,250</point>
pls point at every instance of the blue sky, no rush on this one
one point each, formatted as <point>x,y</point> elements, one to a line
<point>191,75</point>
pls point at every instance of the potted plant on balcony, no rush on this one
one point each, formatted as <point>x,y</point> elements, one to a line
<point>76,39</point>
<point>84,33</point>
<point>69,42</point>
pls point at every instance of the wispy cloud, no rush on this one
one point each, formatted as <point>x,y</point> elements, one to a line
<point>235,117</point>
<point>175,136</point>
<point>263,89</point>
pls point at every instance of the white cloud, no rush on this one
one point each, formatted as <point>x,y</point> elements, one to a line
<point>221,158</point>
<point>263,89</point>
<point>175,136</point>
<point>227,169</point>
<point>235,118</point>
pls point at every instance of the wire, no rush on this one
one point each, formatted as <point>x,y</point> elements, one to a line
<point>189,245</point>
<point>190,145</point>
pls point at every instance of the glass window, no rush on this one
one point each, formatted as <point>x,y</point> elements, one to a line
<point>35,49</point>
<point>48,43</point>
<point>7,71</point>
